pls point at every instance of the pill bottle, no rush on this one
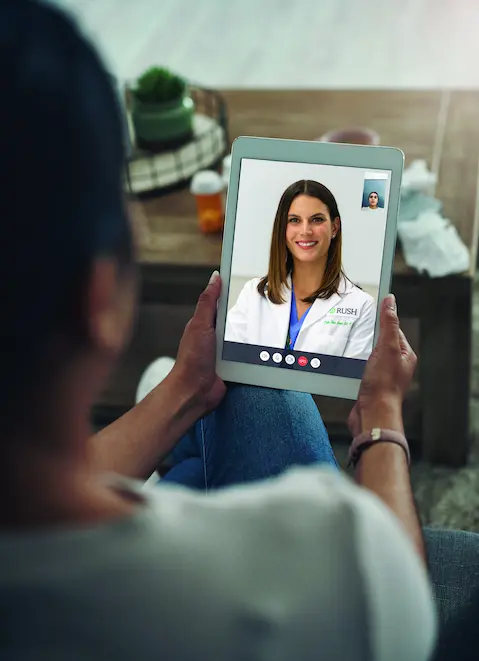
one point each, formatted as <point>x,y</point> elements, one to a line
<point>207,186</point>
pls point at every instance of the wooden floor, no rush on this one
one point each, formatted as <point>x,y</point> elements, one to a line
<point>285,44</point>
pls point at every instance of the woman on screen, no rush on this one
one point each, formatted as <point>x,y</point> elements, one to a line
<point>305,302</point>
<point>373,201</point>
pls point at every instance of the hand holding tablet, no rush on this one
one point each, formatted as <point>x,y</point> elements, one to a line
<point>303,266</point>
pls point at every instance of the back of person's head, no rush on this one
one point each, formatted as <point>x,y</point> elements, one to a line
<point>61,161</point>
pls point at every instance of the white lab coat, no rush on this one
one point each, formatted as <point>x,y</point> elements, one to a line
<point>342,325</point>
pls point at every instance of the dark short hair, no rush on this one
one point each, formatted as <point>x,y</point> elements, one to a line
<point>373,192</point>
<point>280,259</point>
<point>61,171</point>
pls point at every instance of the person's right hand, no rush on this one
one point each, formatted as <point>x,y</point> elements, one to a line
<point>194,374</point>
<point>387,377</point>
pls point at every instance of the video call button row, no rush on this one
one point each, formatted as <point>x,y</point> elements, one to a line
<point>289,359</point>
<point>285,359</point>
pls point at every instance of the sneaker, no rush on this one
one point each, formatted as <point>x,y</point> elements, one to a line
<point>154,374</point>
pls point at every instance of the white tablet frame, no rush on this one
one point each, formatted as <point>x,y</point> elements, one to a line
<point>299,151</point>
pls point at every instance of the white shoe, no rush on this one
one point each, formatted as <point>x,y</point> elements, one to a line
<point>154,374</point>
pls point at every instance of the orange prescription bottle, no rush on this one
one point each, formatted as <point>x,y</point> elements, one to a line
<point>207,186</point>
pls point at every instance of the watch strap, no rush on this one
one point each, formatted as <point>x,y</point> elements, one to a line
<point>367,439</point>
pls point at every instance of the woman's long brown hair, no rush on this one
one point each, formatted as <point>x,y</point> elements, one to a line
<point>280,258</point>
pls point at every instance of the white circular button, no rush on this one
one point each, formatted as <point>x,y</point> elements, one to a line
<point>289,360</point>
<point>264,355</point>
<point>315,363</point>
<point>277,357</point>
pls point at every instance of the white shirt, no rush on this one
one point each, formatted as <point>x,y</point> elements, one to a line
<point>342,325</point>
<point>306,566</point>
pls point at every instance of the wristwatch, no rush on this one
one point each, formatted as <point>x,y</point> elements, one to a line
<point>376,435</point>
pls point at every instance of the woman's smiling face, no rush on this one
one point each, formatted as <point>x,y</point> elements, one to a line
<point>310,229</point>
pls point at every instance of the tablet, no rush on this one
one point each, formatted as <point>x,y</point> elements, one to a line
<point>308,252</point>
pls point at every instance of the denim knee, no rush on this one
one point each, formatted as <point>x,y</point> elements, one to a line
<point>248,396</point>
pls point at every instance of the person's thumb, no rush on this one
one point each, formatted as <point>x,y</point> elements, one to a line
<point>388,320</point>
<point>206,307</point>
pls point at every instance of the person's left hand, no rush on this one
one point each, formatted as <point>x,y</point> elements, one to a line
<point>194,373</point>
<point>387,377</point>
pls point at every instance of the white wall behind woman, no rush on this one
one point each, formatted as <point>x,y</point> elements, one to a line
<point>219,45</point>
<point>261,185</point>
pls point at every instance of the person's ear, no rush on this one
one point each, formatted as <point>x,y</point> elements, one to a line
<point>336,225</point>
<point>109,307</point>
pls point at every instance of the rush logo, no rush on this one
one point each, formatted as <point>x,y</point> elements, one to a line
<point>350,312</point>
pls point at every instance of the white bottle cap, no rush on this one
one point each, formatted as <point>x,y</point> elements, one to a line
<point>226,169</point>
<point>207,182</point>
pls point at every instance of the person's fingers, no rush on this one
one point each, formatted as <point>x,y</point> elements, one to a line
<point>206,307</point>
<point>404,344</point>
<point>407,351</point>
<point>388,321</point>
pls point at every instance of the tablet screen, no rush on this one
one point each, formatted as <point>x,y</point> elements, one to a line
<point>306,265</point>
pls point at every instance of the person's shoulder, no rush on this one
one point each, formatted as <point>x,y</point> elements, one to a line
<point>359,294</point>
<point>314,511</point>
<point>366,298</point>
<point>289,500</point>
<point>301,491</point>
<point>253,283</point>
<point>248,521</point>
<point>250,288</point>
<point>323,531</point>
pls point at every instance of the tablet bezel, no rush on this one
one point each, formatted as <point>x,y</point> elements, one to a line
<point>298,151</point>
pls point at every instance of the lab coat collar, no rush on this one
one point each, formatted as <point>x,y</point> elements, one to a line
<point>322,306</point>
<point>345,286</point>
<point>278,331</point>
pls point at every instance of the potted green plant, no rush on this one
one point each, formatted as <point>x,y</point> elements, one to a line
<point>162,111</point>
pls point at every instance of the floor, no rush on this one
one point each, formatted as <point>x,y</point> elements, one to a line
<point>447,497</point>
<point>387,44</point>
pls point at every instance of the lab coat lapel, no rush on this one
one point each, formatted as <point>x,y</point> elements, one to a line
<point>275,332</point>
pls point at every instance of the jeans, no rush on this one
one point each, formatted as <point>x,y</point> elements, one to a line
<point>454,570</point>
<point>258,433</point>
<point>254,434</point>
